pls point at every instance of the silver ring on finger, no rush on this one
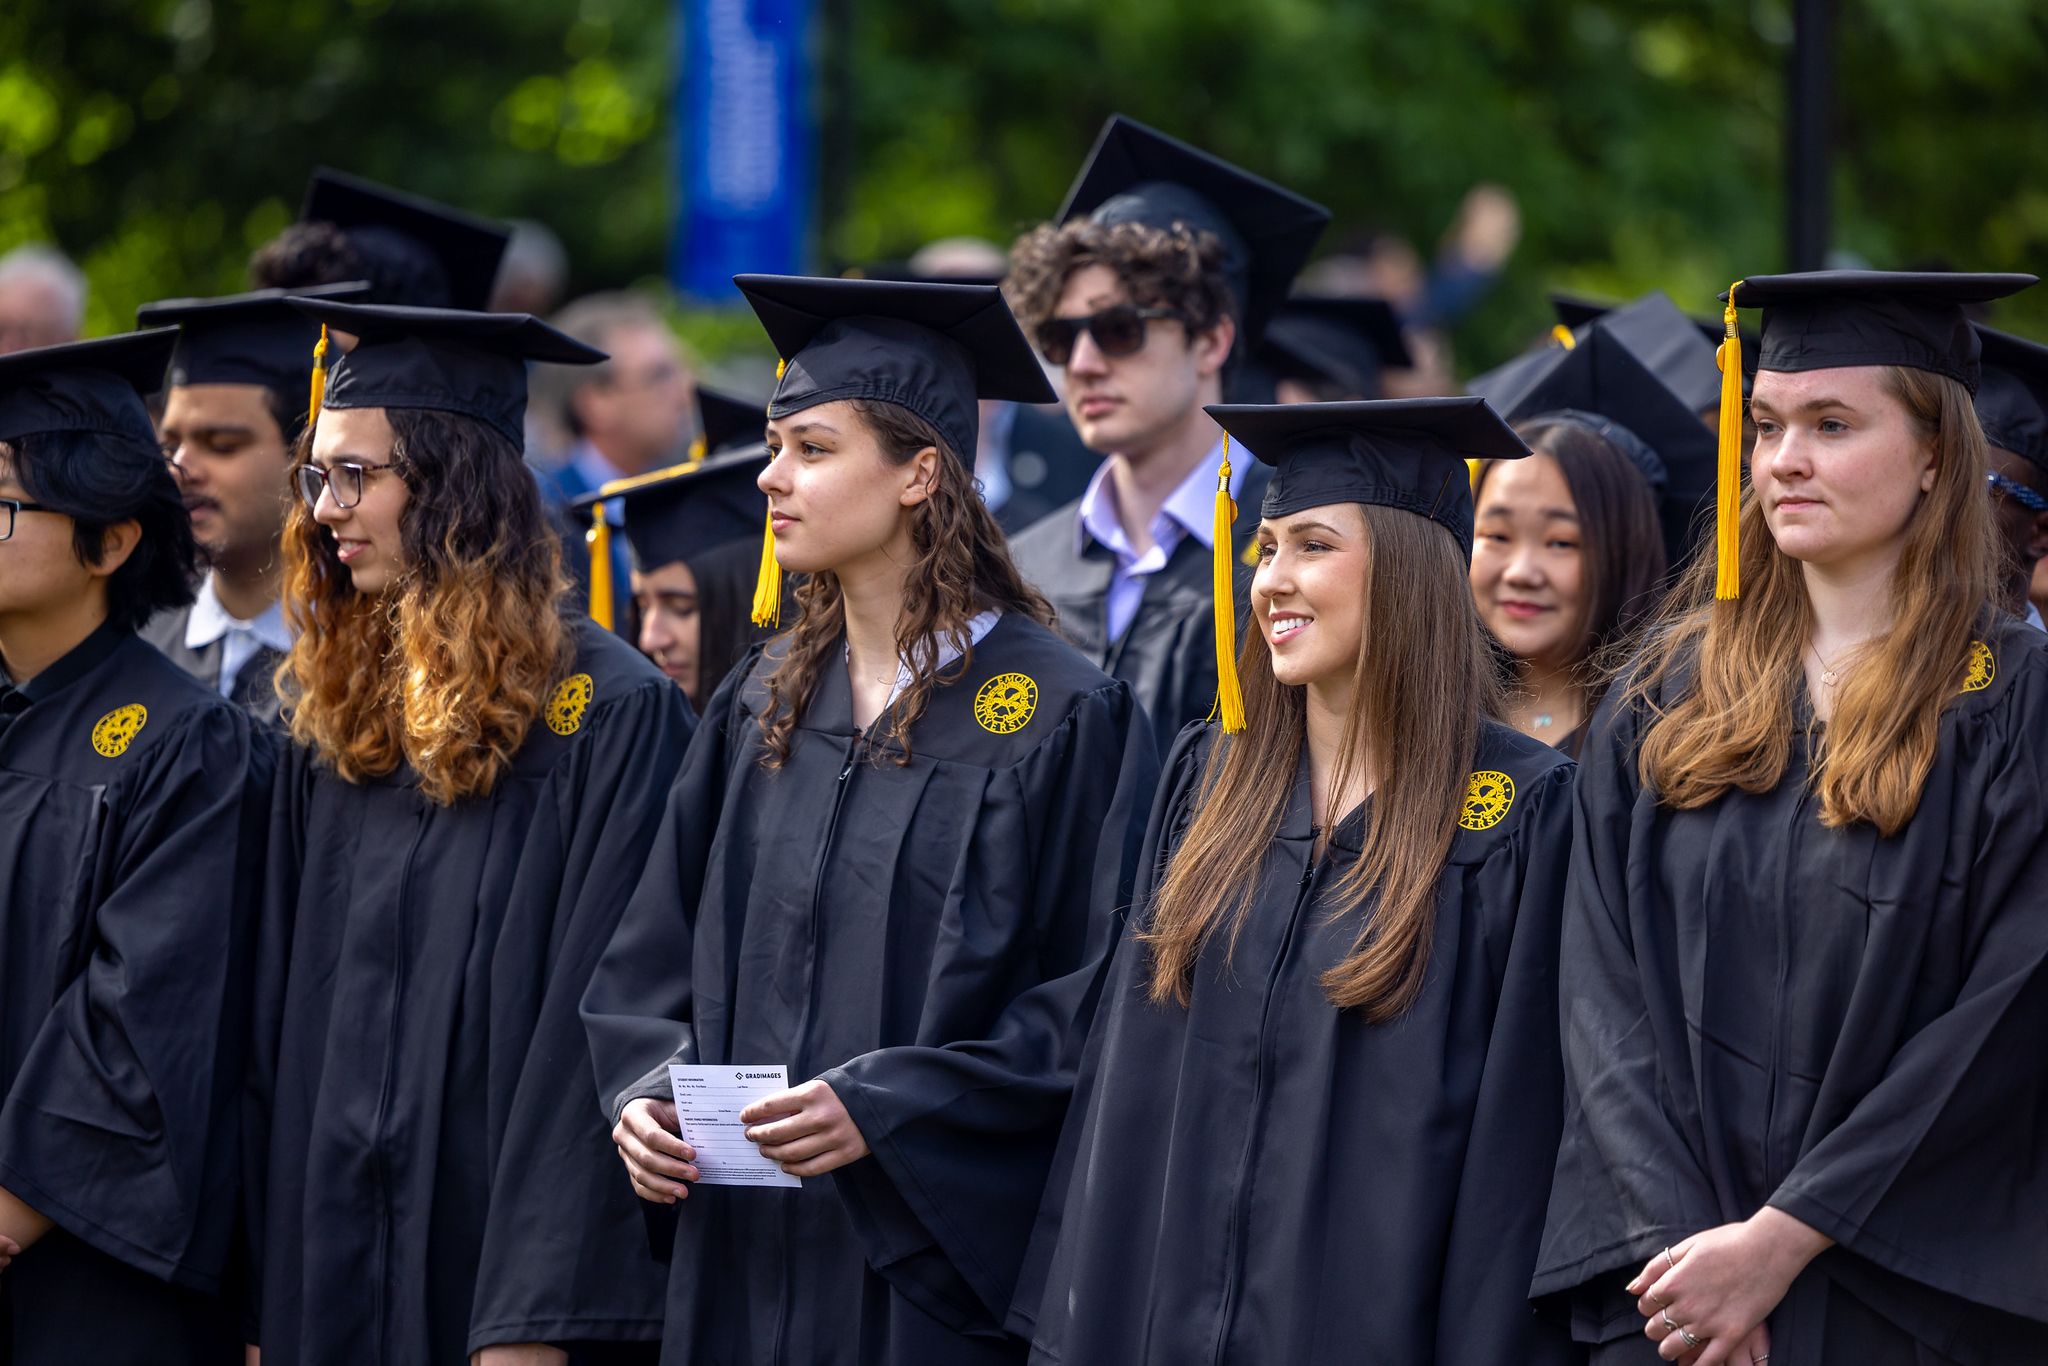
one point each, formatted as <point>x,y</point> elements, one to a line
<point>1670,1324</point>
<point>1670,1262</point>
<point>1685,1336</point>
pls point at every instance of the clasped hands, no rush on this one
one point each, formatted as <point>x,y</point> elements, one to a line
<point>804,1130</point>
<point>1704,1301</point>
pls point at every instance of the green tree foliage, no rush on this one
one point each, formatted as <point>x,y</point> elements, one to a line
<point>160,140</point>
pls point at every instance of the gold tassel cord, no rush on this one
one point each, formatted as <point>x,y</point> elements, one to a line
<point>768,578</point>
<point>599,539</point>
<point>1563,336</point>
<point>319,391</point>
<point>1229,695</point>
<point>1728,473</point>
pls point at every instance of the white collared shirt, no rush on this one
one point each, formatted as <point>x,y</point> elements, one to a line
<point>1188,511</point>
<point>240,640</point>
<point>977,630</point>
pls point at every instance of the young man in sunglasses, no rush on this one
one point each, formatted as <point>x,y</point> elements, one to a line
<point>235,403</point>
<point>131,807</point>
<point>1162,266</point>
<point>2012,405</point>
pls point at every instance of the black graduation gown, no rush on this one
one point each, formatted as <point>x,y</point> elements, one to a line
<point>1761,1010</point>
<point>131,819</point>
<point>900,931</point>
<point>253,689</point>
<point>1168,652</point>
<point>1261,1177</point>
<point>436,1181</point>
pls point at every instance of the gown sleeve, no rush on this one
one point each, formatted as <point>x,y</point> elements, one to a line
<point>1484,1314</point>
<point>1628,1181</point>
<point>962,1134</point>
<point>1936,1172</point>
<point>562,1260</point>
<point>636,1010</point>
<point>122,1123</point>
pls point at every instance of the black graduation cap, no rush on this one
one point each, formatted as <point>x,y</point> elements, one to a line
<point>1825,319</point>
<point>1401,453</point>
<point>1602,377</point>
<point>2012,400</point>
<point>934,349</point>
<point>726,418</point>
<point>445,359</point>
<point>253,338</point>
<point>1673,346</point>
<point>1338,340</point>
<point>674,513</point>
<point>902,272</point>
<point>1137,174</point>
<point>465,247</point>
<point>88,386</point>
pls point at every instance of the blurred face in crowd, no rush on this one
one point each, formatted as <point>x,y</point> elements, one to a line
<point>1839,465</point>
<point>2022,532</point>
<point>33,312</point>
<point>834,498</point>
<point>1527,571</point>
<point>1308,593</point>
<point>367,536</point>
<point>233,465</point>
<point>639,413</point>
<point>666,599</point>
<point>1131,404</point>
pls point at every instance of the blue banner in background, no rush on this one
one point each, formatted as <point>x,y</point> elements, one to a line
<point>746,142</point>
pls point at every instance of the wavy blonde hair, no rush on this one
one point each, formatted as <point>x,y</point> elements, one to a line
<point>1736,668</point>
<point>449,670</point>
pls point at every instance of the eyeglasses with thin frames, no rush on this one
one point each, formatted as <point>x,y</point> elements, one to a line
<point>10,506</point>
<point>343,480</point>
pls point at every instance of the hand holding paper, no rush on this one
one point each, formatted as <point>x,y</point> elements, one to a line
<point>805,1130</point>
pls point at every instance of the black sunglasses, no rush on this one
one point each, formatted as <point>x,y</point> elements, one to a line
<point>1118,331</point>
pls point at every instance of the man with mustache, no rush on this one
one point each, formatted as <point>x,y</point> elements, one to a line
<point>235,405</point>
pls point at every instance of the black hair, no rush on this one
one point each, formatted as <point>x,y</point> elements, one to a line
<point>99,481</point>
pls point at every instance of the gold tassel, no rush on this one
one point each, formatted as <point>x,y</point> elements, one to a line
<point>1472,476</point>
<point>768,578</point>
<point>319,393</point>
<point>599,539</point>
<point>1728,477</point>
<point>768,581</point>
<point>1563,336</point>
<point>1229,695</point>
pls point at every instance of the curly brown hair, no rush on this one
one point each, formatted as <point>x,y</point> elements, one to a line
<point>961,568</point>
<point>1178,268</point>
<point>450,669</point>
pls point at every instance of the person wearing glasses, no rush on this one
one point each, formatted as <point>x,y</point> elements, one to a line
<point>1805,947</point>
<point>1161,269</point>
<point>132,800</point>
<point>475,776</point>
<point>234,404</point>
<point>2012,405</point>
<point>903,830</point>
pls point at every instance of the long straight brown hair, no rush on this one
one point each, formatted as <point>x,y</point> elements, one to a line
<point>1422,682</point>
<point>1738,665</point>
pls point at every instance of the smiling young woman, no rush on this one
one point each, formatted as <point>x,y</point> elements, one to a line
<point>1322,1092</point>
<point>906,818</point>
<point>1809,908</point>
